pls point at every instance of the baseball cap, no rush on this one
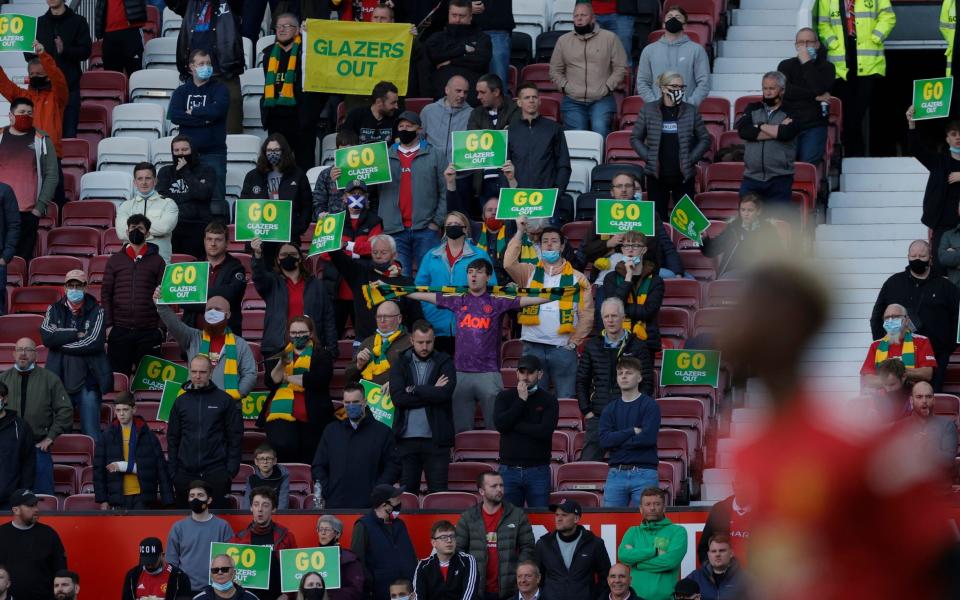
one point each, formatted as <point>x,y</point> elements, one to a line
<point>568,506</point>
<point>412,117</point>
<point>529,362</point>
<point>384,492</point>
<point>356,183</point>
<point>150,550</point>
<point>75,275</point>
<point>23,497</point>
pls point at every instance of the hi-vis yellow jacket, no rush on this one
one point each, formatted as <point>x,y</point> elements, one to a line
<point>948,23</point>
<point>874,22</point>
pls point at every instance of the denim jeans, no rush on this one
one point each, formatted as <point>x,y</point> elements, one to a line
<point>218,162</point>
<point>87,402</point>
<point>43,484</point>
<point>622,25</point>
<point>500,60</point>
<point>413,245</point>
<point>776,189</point>
<point>811,144</point>
<point>559,366</point>
<point>623,488</point>
<point>589,116</point>
<point>526,484</point>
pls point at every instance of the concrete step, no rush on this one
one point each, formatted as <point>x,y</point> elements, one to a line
<point>868,280</point>
<point>835,369</point>
<point>842,355</point>
<point>884,182</point>
<point>854,296</point>
<point>748,415</point>
<point>761,33</point>
<point>890,164</point>
<point>849,385</point>
<point>749,49</point>
<point>735,82</point>
<point>875,216</point>
<point>840,341</point>
<point>875,199</point>
<point>767,4</point>
<point>858,325</point>
<point>905,231</point>
<point>859,249</point>
<point>858,310</point>
<point>752,66</point>
<point>880,266</point>
<point>782,17</point>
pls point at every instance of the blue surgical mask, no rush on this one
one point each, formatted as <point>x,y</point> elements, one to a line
<point>222,587</point>
<point>892,325</point>
<point>354,411</point>
<point>812,52</point>
<point>954,150</point>
<point>204,73</point>
<point>75,296</point>
<point>637,260</point>
<point>532,389</point>
<point>550,256</point>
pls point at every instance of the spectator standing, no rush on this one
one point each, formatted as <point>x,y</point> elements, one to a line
<point>448,114</point>
<point>674,52</point>
<point>654,549</point>
<point>495,18</point>
<point>268,473</point>
<point>329,530</point>
<point>721,577</point>
<point>66,36</point>
<point>204,444</point>
<point>188,545</point>
<point>536,147</point>
<point>377,122</point>
<point>129,313</point>
<point>574,561</point>
<point>810,77</point>
<point>448,573</point>
<point>618,17</point>
<point>730,517</point>
<point>73,332</point>
<point>495,110</point>
<point>264,531</point>
<point>17,453</point>
<point>154,576</point>
<point>552,331</point>
<point>936,435</point>
<point>381,542</point>
<point>619,580</point>
<point>900,341</point>
<point>37,395</point>
<point>747,238</point>
<point>595,57</point>
<point>190,184</point>
<point>28,164</point>
<point>47,89</point>
<point>199,107</point>
<point>637,284</point>
<point>118,24</point>
<point>461,48</point>
<point>227,279</point>
<point>129,469</point>
<point>628,430</point>
<point>30,551</point>
<point>671,137</point>
<point>597,372</point>
<point>498,536</point>
<point>162,213</point>
<point>422,385</point>
<point>327,197</point>
<point>9,237</point>
<point>770,144</point>
<point>222,574</point>
<point>417,172</point>
<point>354,456</point>
<point>853,32</point>
<point>381,351</point>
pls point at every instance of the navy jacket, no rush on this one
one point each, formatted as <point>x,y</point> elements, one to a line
<point>350,462</point>
<point>388,553</point>
<point>728,587</point>
<point>146,456</point>
<point>69,353</point>
<point>206,125</point>
<point>9,222</point>
<point>617,435</point>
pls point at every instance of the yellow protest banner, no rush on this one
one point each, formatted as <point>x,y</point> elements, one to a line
<point>343,57</point>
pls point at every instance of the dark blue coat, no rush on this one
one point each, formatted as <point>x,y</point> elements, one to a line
<point>388,553</point>
<point>146,454</point>
<point>9,222</point>
<point>59,332</point>
<point>730,587</point>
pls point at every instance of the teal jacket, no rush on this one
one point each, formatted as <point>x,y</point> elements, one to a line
<point>653,551</point>
<point>435,271</point>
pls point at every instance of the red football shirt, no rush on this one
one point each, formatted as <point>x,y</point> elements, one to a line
<point>922,352</point>
<point>153,585</point>
<point>490,523</point>
<point>405,199</point>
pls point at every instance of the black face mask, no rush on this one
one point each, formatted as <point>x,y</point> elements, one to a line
<point>313,594</point>
<point>918,266</point>
<point>198,506</point>
<point>583,29</point>
<point>382,266</point>
<point>136,237</point>
<point>673,25</point>
<point>771,101</point>
<point>186,157</point>
<point>39,82</point>
<point>457,28</point>
<point>454,232</point>
<point>406,136</point>
<point>289,263</point>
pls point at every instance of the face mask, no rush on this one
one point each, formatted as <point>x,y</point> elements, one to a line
<point>532,389</point>
<point>39,82</point>
<point>493,223</point>
<point>354,411</point>
<point>136,237</point>
<point>395,514</point>
<point>289,263</point>
<point>205,72</point>
<point>315,594</point>
<point>186,157</point>
<point>23,122</point>
<point>771,101</point>
<point>551,256</point>
<point>356,202</point>
<point>300,341</point>
<point>583,29</point>
<point>198,506</point>
<point>952,149</point>
<point>75,296</point>
<point>222,587</point>
<point>673,25</point>
<point>156,569</point>
<point>382,266</point>
<point>637,260</point>
<point>454,232</point>
<point>3,404</point>
<point>145,195</point>
<point>28,368</point>
<point>892,325</point>
<point>406,136</point>
<point>214,316</point>
<point>918,266</point>
<point>274,158</point>
<point>812,52</point>
<point>676,95</point>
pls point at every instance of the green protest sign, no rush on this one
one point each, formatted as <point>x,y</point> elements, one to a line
<point>171,390</point>
<point>17,33</point>
<point>269,220</point>
<point>366,162</point>
<point>297,562</point>
<point>185,283</point>
<point>251,405</point>
<point>690,367</point>
<point>379,404</point>
<point>931,98</point>
<point>533,204</point>
<point>479,149</point>
<point>621,216</point>
<point>688,221</point>
<point>328,234</point>
<point>152,372</point>
<point>252,563</point>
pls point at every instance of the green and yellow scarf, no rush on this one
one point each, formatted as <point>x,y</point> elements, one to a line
<point>638,295</point>
<point>281,407</point>
<point>287,97</point>
<point>228,356</point>
<point>501,240</point>
<point>379,363</point>
<point>375,295</point>
<point>908,355</point>
<point>530,315</point>
<point>528,251</point>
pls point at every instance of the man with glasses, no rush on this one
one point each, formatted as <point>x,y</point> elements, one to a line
<point>38,396</point>
<point>810,77</point>
<point>188,545</point>
<point>900,341</point>
<point>382,349</point>
<point>381,542</point>
<point>329,530</point>
<point>222,586</point>
<point>448,572</point>
<point>267,473</point>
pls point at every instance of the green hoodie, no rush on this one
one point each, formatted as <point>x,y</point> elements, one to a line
<point>653,551</point>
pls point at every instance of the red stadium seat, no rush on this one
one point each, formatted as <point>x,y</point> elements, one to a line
<point>34,299</point>
<point>723,176</point>
<point>509,378</point>
<point>674,322</point>
<point>49,270</point>
<point>618,149</point>
<point>686,414</point>
<point>13,327</point>
<point>806,181</point>
<point>719,204</point>
<point>16,272</point>
<point>631,107</point>
<point>94,125</point>
<point>477,446</point>
<point>724,292</point>
<point>121,383</point>
<point>73,449</point>
<point>510,353</point>
<point>673,444</point>
<point>253,301</point>
<point>96,267</point>
<point>253,325</point>
<point>462,476</point>
<point>90,213</point>
<point>48,503</point>
<point>50,220</point>
<point>64,480</point>
<point>104,88</point>
<point>669,479</point>
<point>584,499</point>
<point>84,241</point>
<point>239,483</point>
<point>409,502</point>
<point>560,447</point>
<point>151,28</point>
<point>682,293</point>
<point>251,440</point>
<point>81,502</point>
<point>710,320</point>
<point>575,232</point>
<point>233,246</point>
<point>539,73</point>
<point>715,110</point>
<point>550,108</point>
<point>111,243</point>
<point>584,475</point>
<point>570,415</point>
<point>85,480</point>
<point>740,106</point>
<point>76,153</point>
<point>696,264</point>
<point>946,405</point>
<point>450,501</point>
<point>728,139</point>
<point>301,481</point>
<point>416,104</point>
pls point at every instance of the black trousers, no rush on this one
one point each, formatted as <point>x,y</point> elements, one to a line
<point>126,347</point>
<point>856,94</point>
<point>294,441</point>
<point>132,502</point>
<point>422,455</point>
<point>218,480</point>
<point>301,137</point>
<point>123,51</point>
<point>28,235</point>
<point>665,193</point>
<point>187,238</point>
<point>71,115</point>
<point>343,310</point>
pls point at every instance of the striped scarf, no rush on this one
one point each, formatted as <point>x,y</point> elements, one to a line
<point>228,355</point>
<point>289,77</point>
<point>375,295</point>
<point>281,407</point>
<point>908,355</point>
<point>530,315</point>
<point>501,240</point>
<point>528,251</point>
<point>379,363</point>
<point>638,295</point>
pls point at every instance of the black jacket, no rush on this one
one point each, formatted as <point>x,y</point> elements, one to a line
<point>308,105</point>
<point>526,427</point>
<point>461,582</point>
<point>932,304</point>
<point>136,11</point>
<point>386,552</point>
<point>205,432</point>
<point>539,153</point>
<point>804,83</point>
<point>437,400</point>
<point>587,575</point>
<point>938,212</point>
<point>294,187</point>
<point>231,283</point>
<point>146,456</point>
<point>615,286</point>
<point>450,45</point>
<point>506,114</point>
<point>664,252</point>
<point>227,53</point>
<point>359,273</point>
<point>350,462</point>
<point>741,247</point>
<point>74,32</point>
<point>496,15</point>
<point>9,222</point>
<point>17,456</point>
<point>597,371</point>
<point>207,593</point>
<point>70,357</point>
<point>178,584</point>
<point>191,188</point>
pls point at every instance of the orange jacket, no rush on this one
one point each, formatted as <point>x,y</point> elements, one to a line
<point>48,105</point>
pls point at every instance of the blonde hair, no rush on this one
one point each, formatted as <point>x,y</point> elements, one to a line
<point>461,217</point>
<point>666,76</point>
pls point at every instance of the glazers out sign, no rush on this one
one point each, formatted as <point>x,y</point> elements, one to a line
<point>344,57</point>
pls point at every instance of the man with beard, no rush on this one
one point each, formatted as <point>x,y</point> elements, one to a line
<point>329,530</point>
<point>31,551</point>
<point>377,122</point>
<point>574,561</point>
<point>938,435</point>
<point>653,549</point>
<point>66,585</point>
<point>188,545</point>
<point>900,341</point>
<point>154,577</point>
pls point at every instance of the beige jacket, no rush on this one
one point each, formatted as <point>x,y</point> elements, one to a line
<point>588,67</point>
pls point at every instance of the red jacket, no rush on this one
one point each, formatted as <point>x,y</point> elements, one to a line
<point>282,537</point>
<point>48,105</point>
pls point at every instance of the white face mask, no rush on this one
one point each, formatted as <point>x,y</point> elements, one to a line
<point>214,317</point>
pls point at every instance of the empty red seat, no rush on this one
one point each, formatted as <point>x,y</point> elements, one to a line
<point>253,301</point>
<point>238,484</point>
<point>576,231</point>
<point>253,325</point>
<point>48,503</point>
<point>64,480</point>
<point>631,107</point>
<point>728,139</point>
<point>723,176</point>
<point>618,149</point>
<point>462,476</point>
<point>85,479</point>
<point>510,353</point>
<point>674,322</point>
<point>683,293</point>
<point>946,405</point>
<point>51,218</point>
<point>251,440</point>
<point>16,272</point>
<point>583,498</point>
<point>94,125</point>
<point>550,108</point>
<point>301,480</point>
<point>584,475</point>
<point>84,241</point>
<point>81,502</point>
<point>96,267</point>
<point>34,299</point>
<point>509,377</point>
<point>560,446</point>
<point>715,110</point>
<point>724,292</point>
<point>73,449</point>
<point>685,414</point>
<point>103,85</point>
<point>570,415</point>
<point>100,214</point>
<point>710,320</point>
<point>451,501</point>
<point>696,264</point>
<point>673,444</point>
<point>477,446</point>
<point>76,153</point>
<point>718,204</point>
<point>13,327</point>
<point>409,502</point>
<point>539,73</point>
<point>50,270</point>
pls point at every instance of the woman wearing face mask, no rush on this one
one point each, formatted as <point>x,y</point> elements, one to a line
<point>277,177</point>
<point>447,265</point>
<point>312,587</point>
<point>635,280</point>
<point>329,530</point>
<point>299,409</point>
<point>190,184</point>
<point>671,137</point>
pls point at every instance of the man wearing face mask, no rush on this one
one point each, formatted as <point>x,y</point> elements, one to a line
<point>492,235</point>
<point>674,51</point>
<point>190,184</point>
<point>900,341</point>
<point>381,542</point>
<point>162,212</point>
<point>154,578</point>
<point>47,90</point>
<point>188,544</point>
<point>461,48</point>
<point>810,77</point>
<point>223,572</point>
<point>380,351</point>
<point>329,530</point>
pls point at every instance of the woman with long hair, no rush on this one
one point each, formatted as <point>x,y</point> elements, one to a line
<point>312,587</point>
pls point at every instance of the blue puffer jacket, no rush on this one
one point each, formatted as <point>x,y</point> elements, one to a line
<point>728,587</point>
<point>434,271</point>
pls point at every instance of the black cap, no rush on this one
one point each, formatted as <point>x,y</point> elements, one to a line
<point>23,497</point>
<point>567,506</point>
<point>685,588</point>
<point>356,184</point>
<point>150,550</point>
<point>529,362</point>
<point>412,117</point>
<point>384,492</point>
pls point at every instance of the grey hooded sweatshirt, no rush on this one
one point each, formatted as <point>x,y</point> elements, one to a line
<point>683,56</point>
<point>440,120</point>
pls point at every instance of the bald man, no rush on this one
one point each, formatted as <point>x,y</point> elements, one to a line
<point>448,114</point>
<point>381,350</point>
<point>901,341</point>
<point>931,302</point>
<point>937,434</point>
<point>618,580</point>
<point>38,396</point>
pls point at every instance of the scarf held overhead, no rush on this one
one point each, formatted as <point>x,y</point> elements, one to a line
<point>228,354</point>
<point>289,77</point>
<point>374,295</point>
<point>907,355</point>
<point>281,407</point>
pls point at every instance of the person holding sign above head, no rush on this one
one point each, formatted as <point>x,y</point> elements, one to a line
<point>495,111</point>
<point>312,587</point>
<point>154,578</point>
<point>536,147</point>
<point>327,197</point>
<point>222,586</point>
<point>636,282</point>
<point>329,530</point>
<point>129,469</point>
<point>448,573</point>
<point>190,184</point>
<point>162,212</point>
<point>381,542</point>
<point>66,35</point>
<point>47,89</point>
<point>227,278</point>
<point>188,544</point>
<point>264,531</point>
<point>380,351</point>
<point>671,137</point>
<point>461,48</point>
<point>747,239</point>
